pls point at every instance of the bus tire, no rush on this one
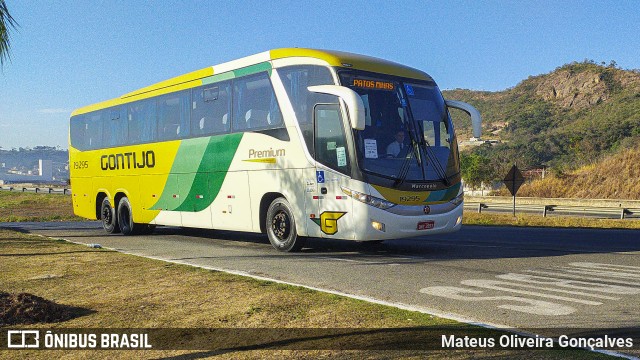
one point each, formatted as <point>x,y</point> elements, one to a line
<point>281,226</point>
<point>125,218</point>
<point>108,217</point>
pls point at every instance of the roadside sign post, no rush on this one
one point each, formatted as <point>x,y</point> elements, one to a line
<point>513,181</point>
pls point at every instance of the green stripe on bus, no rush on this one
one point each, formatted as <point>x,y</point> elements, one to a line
<point>211,172</point>
<point>444,195</point>
<point>199,170</point>
<point>249,70</point>
<point>264,66</point>
<point>217,78</point>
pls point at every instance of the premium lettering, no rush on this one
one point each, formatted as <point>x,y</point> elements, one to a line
<point>258,154</point>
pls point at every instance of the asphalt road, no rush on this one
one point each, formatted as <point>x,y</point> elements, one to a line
<point>570,280</point>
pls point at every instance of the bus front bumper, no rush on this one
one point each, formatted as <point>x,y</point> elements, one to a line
<point>384,225</point>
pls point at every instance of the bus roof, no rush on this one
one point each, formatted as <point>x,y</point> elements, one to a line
<point>193,79</point>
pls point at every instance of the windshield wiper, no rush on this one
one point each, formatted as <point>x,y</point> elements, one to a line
<point>434,159</point>
<point>406,163</point>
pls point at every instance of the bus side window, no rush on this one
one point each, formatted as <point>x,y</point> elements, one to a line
<point>94,130</point>
<point>114,130</point>
<point>296,79</point>
<point>255,104</point>
<point>78,132</point>
<point>210,109</point>
<point>142,121</point>
<point>173,116</point>
<point>330,141</point>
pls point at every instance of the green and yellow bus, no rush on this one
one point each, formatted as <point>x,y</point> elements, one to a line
<point>291,142</point>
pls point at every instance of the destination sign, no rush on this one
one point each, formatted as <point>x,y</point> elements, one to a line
<point>373,84</point>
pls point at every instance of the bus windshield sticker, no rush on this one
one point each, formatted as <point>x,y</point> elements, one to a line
<point>341,154</point>
<point>409,89</point>
<point>370,149</point>
<point>331,145</point>
<point>367,109</point>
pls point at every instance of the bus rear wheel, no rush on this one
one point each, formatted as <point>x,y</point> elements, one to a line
<point>125,219</point>
<point>281,226</point>
<point>108,217</point>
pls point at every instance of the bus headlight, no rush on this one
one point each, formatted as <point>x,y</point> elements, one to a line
<point>368,199</point>
<point>458,200</point>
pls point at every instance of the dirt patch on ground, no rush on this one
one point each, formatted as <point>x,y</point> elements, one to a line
<point>24,308</point>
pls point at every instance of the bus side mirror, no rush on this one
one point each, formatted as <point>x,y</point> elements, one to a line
<point>355,107</point>
<point>476,121</point>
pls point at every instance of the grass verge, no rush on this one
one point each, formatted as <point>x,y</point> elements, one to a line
<point>115,290</point>
<point>19,206</point>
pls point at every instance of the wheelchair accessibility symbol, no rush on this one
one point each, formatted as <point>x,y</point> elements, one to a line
<point>320,176</point>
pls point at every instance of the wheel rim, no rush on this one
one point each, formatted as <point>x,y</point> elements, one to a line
<point>281,225</point>
<point>107,215</point>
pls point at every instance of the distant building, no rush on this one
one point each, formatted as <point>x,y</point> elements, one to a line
<point>45,175</point>
<point>45,169</point>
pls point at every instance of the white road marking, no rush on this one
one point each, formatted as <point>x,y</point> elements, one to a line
<point>624,268</point>
<point>340,259</point>
<point>503,286</point>
<point>600,273</point>
<point>572,284</point>
<point>570,276</point>
<point>613,279</point>
<point>537,307</point>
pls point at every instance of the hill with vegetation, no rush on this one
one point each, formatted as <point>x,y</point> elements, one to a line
<point>572,117</point>
<point>614,177</point>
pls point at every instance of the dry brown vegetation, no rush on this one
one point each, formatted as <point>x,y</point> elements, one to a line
<point>19,206</point>
<point>615,177</point>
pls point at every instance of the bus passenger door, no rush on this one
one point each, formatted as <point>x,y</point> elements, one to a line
<point>312,201</point>
<point>334,217</point>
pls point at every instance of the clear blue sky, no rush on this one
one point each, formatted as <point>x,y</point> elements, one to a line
<point>69,53</point>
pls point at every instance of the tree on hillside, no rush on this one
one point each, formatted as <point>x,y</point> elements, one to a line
<point>6,22</point>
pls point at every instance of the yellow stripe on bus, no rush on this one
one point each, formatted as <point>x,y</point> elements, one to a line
<point>361,62</point>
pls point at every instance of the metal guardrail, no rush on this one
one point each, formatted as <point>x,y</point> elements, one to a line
<point>37,190</point>
<point>559,210</point>
<point>498,207</point>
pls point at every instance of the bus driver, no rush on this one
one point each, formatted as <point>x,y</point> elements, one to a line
<point>398,147</point>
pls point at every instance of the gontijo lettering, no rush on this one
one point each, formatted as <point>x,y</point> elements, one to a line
<point>128,160</point>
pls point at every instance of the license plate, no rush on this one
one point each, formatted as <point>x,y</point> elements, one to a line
<point>425,225</point>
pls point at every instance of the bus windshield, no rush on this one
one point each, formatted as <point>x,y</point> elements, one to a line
<point>408,134</point>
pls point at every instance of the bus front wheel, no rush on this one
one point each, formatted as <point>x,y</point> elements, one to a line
<point>281,226</point>
<point>125,219</point>
<point>108,217</point>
